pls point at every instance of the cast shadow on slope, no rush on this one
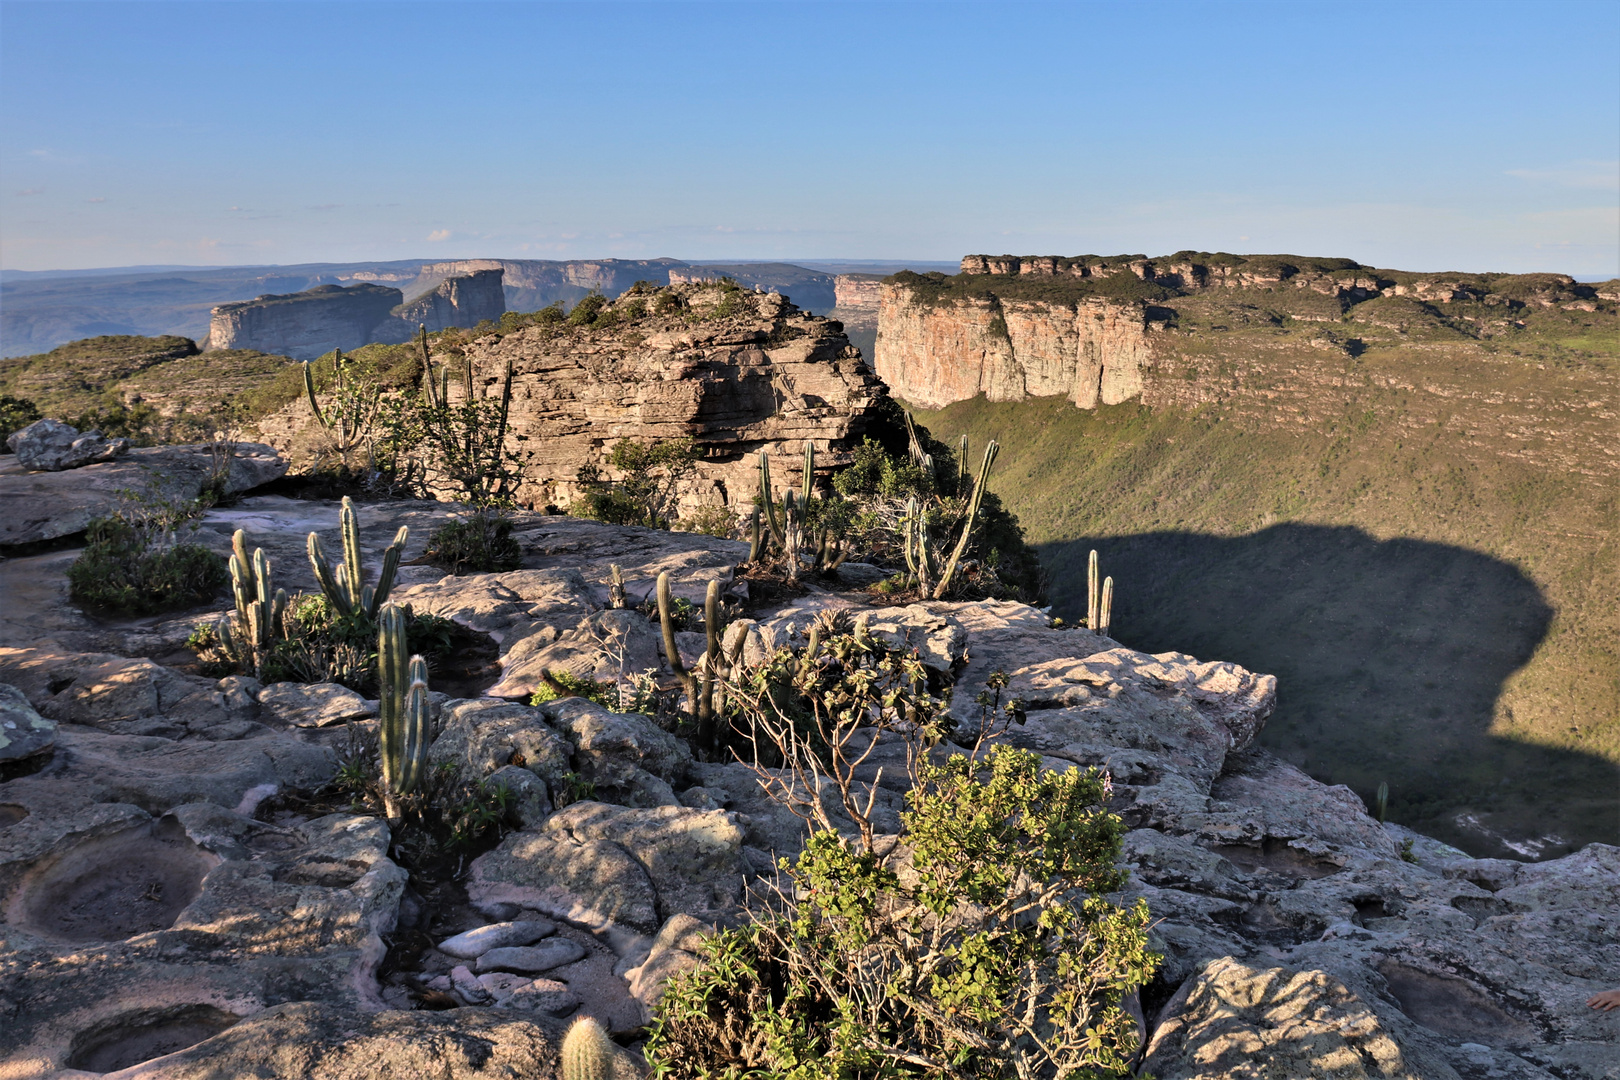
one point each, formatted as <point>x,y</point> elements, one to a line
<point>1389,658</point>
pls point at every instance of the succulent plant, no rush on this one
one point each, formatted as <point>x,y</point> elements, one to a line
<point>1093,597</point>
<point>1383,800</point>
<point>588,1054</point>
<point>990,451</point>
<point>403,733</point>
<point>1107,605</point>
<point>346,588</point>
<point>260,613</point>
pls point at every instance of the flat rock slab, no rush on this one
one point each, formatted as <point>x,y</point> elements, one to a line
<point>23,732</point>
<point>38,506</point>
<point>532,958</point>
<point>312,704</point>
<point>503,935</point>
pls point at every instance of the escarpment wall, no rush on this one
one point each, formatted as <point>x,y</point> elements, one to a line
<point>464,300</point>
<point>1091,351</point>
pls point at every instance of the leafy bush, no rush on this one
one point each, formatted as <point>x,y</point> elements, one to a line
<point>710,521</point>
<point>482,544</point>
<point>646,492</point>
<point>977,943</point>
<point>585,311</point>
<point>561,684</point>
<point>133,570</point>
<point>15,414</point>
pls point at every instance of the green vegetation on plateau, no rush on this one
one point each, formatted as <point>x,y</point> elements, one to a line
<point>1414,528</point>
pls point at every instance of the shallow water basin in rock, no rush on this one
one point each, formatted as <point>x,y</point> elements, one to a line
<point>136,1037</point>
<point>112,887</point>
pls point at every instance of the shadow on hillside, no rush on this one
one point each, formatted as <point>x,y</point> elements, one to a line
<point>1389,658</point>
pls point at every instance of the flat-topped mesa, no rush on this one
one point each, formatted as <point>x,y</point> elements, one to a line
<point>308,324</point>
<point>1090,327</point>
<point>736,371</point>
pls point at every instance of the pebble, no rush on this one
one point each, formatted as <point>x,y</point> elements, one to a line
<point>475,943</point>
<point>468,987</point>
<point>543,995</point>
<point>532,958</point>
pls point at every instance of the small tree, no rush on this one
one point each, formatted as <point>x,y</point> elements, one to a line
<point>648,489</point>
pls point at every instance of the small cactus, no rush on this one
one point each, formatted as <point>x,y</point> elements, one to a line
<point>616,593</point>
<point>1383,800</point>
<point>588,1054</point>
<point>346,588</point>
<point>403,732</point>
<point>1106,605</point>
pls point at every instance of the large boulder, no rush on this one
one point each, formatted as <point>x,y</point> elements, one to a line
<point>51,446</point>
<point>630,760</point>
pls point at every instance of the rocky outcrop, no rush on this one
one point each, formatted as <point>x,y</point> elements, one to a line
<point>44,505</point>
<point>152,901</point>
<point>306,324</point>
<point>1091,351</point>
<point>52,446</point>
<point>858,292</point>
<point>463,300</point>
<point>735,371</point>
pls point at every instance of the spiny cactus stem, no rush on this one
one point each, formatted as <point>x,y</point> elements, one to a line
<point>809,479</point>
<point>1093,597</point>
<point>711,663</point>
<point>979,486</point>
<point>767,498</point>
<point>1107,604</point>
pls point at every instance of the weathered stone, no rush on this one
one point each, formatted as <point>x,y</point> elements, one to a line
<point>530,802</point>
<point>312,704</point>
<point>475,943</point>
<point>631,760</point>
<point>552,953</point>
<point>541,995</point>
<point>1236,1021</point>
<point>38,506</point>
<point>52,446</point>
<point>23,732</point>
<point>591,882</point>
<point>484,735</point>
<point>676,949</point>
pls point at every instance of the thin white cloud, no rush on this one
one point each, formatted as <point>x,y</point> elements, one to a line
<point>1591,175</point>
<point>439,234</point>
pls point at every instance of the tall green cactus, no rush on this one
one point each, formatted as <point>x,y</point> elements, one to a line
<point>404,730</point>
<point>346,589</point>
<point>990,451</point>
<point>1383,800</point>
<point>260,612</point>
<point>809,480</point>
<point>700,684</point>
<point>1107,606</point>
<point>1093,598</point>
<point>767,497</point>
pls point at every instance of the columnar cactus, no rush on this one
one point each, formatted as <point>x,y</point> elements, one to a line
<point>259,611</point>
<point>1093,598</point>
<point>1107,605</point>
<point>616,593</point>
<point>700,684</point>
<point>808,483</point>
<point>588,1054</point>
<point>979,486</point>
<point>404,730</point>
<point>346,589</point>
<point>767,497</point>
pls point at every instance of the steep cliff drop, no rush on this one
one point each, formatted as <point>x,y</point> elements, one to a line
<point>308,324</point>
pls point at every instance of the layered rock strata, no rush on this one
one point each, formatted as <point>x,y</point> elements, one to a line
<point>463,300</point>
<point>735,371</point>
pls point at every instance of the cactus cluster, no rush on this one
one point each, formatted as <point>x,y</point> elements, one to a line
<point>915,543</point>
<point>404,732</point>
<point>785,525</point>
<point>711,669</point>
<point>261,609</point>
<point>345,588</point>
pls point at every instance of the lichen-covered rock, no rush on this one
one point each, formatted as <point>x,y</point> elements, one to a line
<point>1234,1021</point>
<point>630,760</point>
<point>52,446</point>
<point>23,732</point>
<point>312,704</point>
<point>483,735</point>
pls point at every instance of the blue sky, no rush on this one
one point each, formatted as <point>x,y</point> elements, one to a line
<point>1470,136</point>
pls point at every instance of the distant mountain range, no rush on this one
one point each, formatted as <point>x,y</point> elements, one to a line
<point>40,310</point>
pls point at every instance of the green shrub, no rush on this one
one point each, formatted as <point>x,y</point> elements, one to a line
<point>15,414</point>
<point>482,544</point>
<point>124,569</point>
<point>585,311</point>
<point>982,944</point>
<point>561,684</point>
<point>710,521</point>
<point>646,492</point>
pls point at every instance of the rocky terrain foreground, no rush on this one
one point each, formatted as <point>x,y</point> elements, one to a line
<point>167,910</point>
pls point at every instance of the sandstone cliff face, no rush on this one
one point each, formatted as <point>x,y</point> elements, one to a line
<point>304,325</point>
<point>763,375</point>
<point>1091,351</point>
<point>464,300</point>
<point>858,291</point>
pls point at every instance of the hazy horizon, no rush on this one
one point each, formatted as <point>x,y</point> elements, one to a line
<point>1422,136</point>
